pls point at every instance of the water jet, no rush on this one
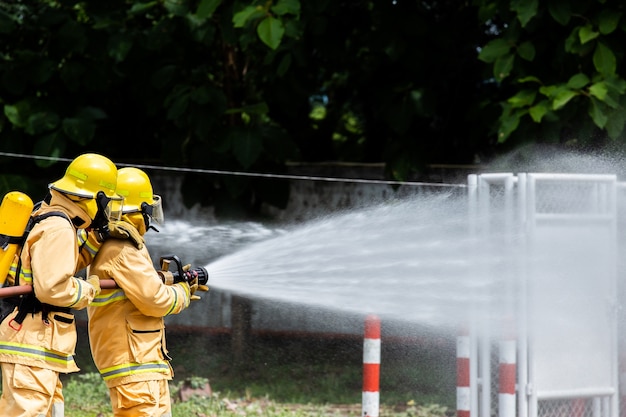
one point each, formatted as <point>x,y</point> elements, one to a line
<point>530,254</point>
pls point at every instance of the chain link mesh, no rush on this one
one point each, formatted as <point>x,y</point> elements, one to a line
<point>567,198</point>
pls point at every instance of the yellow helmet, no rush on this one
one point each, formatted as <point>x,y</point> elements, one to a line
<point>134,186</point>
<point>90,181</point>
<point>86,175</point>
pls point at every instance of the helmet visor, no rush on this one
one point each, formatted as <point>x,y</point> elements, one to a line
<point>114,208</point>
<point>155,210</point>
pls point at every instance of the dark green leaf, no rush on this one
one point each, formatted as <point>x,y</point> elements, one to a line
<point>119,46</point>
<point>560,11</point>
<point>271,31</point>
<point>71,73</point>
<point>163,76</point>
<point>487,10</point>
<point>18,113</point>
<point>596,111</point>
<point>615,85</point>
<point>79,130</point>
<point>249,13</point>
<point>539,110</point>
<point>603,92</point>
<point>615,123</point>
<point>177,107</point>
<point>201,95</point>
<point>284,65</point>
<point>494,50</point>
<point>562,98</point>
<point>12,113</point>
<point>548,90</point>
<point>523,98</point>
<point>206,8</point>
<point>176,7</point>
<point>140,8</point>
<point>91,113</point>
<point>7,25</point>
<point>503,66</point>
<point>578,81</point>
<point>247,146</point>
<point>608,20</point>
<point>529,79</point>
<point>587,34</point>
<point>526,51</point>
<point>283,7</point>
<point>572,42</point>
<point>525,9</point>
<point>41,122</point>
<point>599,90</point>
<point>604,60</point>
<point>52,145</point>
<point>508,124</point>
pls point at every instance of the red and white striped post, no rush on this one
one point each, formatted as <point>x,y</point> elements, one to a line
<point>463,394</point>
<point>507,372</point>
<point>371,367</point>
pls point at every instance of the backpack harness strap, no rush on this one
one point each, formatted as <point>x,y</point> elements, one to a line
<point>28,303</point>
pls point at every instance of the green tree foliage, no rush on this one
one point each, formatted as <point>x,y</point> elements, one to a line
<point>558,64</point>
<point>239,85</point>
<point>248,85</point>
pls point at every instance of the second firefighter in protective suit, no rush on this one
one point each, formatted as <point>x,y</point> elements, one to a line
<point>126,326</point>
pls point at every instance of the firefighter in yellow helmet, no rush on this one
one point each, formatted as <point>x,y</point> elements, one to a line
<point>38,333</point>
<point>126,326</point>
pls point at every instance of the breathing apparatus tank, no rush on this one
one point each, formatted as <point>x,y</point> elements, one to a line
<point>15,212</point>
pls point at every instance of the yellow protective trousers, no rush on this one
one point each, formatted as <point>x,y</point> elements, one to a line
<point>141,399</point>
<point>30,392</point>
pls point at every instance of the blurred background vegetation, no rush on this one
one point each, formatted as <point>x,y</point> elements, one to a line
<point>251,86</point>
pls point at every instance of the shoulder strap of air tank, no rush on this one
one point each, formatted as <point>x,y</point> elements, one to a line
<point>31,223</point>
<point>29,303</point>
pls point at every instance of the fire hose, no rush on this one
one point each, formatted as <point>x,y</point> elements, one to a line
<point>180,274</point>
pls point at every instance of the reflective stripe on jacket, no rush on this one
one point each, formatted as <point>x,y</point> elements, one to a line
<point>47,344</point>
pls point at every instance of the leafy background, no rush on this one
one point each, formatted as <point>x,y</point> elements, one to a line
<point>251,86</point>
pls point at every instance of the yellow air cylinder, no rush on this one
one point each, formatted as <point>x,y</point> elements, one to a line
<point>15,211</point>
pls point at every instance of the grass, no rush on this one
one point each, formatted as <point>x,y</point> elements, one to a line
<point>286,377</point>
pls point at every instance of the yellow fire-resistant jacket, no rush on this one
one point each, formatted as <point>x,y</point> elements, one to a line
<point>126,326</point>
<point>50,259</point>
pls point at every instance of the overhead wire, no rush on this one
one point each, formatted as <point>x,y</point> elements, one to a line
<point>249,174</point>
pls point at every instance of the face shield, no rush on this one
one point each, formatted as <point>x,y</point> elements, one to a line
<point>108,208</point>
<point>115,208</point>
<point>154,211</point>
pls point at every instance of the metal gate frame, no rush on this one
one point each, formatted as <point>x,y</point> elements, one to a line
<point>519,194</point>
